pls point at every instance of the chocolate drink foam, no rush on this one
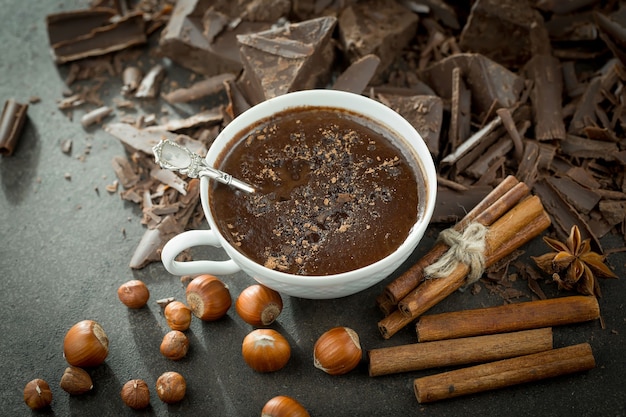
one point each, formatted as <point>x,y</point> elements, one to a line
<point>335,192</point>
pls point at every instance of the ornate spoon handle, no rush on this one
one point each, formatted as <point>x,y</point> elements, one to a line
<point>170,155</point>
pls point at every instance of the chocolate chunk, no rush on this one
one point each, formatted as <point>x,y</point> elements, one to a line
<point>358,75</point>
<point>613,32</point>
<point>453,205</point>
<point>460,113</point>
<point>291,58</point>
<point>376,27</point>
<point>499,29</point>
<point>425,113</point>
<point>151,82</point>
<point>491,84</point>
<point>563,215</point>
<point>198,90</point>
<point>92,32</point>
<point>562,7</point>
<point>202,39</point>
<point>546,94</point>
<point>582,198</point>
<point>11,124</point>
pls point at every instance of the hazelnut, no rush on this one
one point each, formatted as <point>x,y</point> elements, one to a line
<point>175,345</point>
<point>85,344</point>
<point>136,394</point>
<point>177,315</point>
<point>259,305</point>
<point>208,297</point>
<point>76,381</point>
<point>283,406</point>
<point>171,387</point>
<point>265,350</point>
<point>133,294</point>
<point>37,394</point>
<point>337,351</point>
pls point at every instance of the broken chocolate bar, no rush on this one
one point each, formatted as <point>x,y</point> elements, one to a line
<point>499,29</point>
<point>295,57</point>
<point>204,40</point>
<point>92,32</point>
<point>376,27</point>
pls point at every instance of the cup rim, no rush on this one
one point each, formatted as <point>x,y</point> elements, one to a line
<point>331,99</point>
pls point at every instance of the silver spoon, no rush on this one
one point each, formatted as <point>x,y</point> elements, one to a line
<point>171,155</point>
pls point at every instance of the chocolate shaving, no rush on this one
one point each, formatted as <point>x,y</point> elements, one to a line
<point>358,75</point>
<point>11,124</point>
<point>87,33</point>
<point>200,89</point>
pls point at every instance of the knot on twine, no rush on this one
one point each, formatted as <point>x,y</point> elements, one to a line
<point>466,247</point>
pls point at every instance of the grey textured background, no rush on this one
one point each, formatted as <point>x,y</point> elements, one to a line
<point>65,249</point>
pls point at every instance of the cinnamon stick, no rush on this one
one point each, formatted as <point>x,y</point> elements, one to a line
<point>477,349</point>
<point>508,318</point>
<point>513,225</point>
<point>400,287</point>
<point>504,373</point>
<point>431,292</point>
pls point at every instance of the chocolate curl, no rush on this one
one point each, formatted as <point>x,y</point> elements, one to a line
<point>11,124</point>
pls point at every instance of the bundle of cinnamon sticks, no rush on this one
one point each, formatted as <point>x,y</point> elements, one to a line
<point>513,217</point>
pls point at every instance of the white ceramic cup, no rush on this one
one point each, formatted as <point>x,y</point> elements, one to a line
<point>328,286</point>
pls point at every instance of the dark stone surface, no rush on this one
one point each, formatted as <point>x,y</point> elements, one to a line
<point>65,249</point>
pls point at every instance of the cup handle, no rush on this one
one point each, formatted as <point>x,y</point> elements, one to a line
<point>189,239</point>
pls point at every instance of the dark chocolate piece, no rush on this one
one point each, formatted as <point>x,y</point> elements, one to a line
<point>563,6</point>
<point>198,90</point>
<point>528,166</point>
<point>376,27</point>
<point>425,113</point>
<point>460,111</point>
<point>237,102</point>
<point>613,33</point>
<point>453,205</point>
<point>563,215</point>
<point>131,77</point>
<point>578,147</point>
<point>11,124</point>
<point>95,116</point>
<point>499,29</point>
<point>488,81</point>
<point>87,33</point>
<point>151,83</point>
<point>582,198</point>
<point>358,75</point>
<point>291,58</point>
<point>204,40</point>
<point>546,94</point>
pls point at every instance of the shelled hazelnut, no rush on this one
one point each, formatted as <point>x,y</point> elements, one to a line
<point>76,381</point>
<point>136,394</point>
<point>171,387</point>
<point>37,394</point>
<point>174,345</point>
<point>133,294</point>
<point>177,315</point>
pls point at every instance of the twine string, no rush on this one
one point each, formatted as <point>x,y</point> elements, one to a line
<point>467,247</point>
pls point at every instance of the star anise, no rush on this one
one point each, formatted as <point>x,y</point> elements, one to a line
<point>580,263</point>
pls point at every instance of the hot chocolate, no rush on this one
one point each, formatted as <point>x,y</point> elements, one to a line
<point>334,192</point>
